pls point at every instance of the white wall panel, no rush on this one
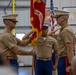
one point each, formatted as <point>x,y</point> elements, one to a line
<point>56,3</point>
<point>4,3</point>
<point>65,3</point>
<point>1,19</point>
<point>47,3</point>
<point>74,29</point>
<point>18,3</point>
<point>73,2</point>
<point>62,3</point>
<point>22,3</point>
<point>23,30</point>
<point>1,30</point>
<point>23,17</point>
<point>27,60</point>
<point>2,14</point>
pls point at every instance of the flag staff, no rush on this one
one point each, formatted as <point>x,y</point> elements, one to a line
<point>13,12</point>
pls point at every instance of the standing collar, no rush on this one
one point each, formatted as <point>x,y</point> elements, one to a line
<point>6,30</point>
<point>64,26</point>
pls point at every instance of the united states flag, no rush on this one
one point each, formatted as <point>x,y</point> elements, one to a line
<point>52,15</point>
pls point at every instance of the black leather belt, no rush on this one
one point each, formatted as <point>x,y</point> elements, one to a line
<point>44,59</point>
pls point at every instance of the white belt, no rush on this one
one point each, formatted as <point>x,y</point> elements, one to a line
<point>44,59</point>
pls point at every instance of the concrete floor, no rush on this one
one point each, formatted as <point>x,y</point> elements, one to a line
<point>29,71</point>
<point>26,71</point>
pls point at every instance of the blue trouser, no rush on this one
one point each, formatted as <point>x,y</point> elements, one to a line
<point>43,67</point>
<point>53,61</point>
<point>34,62</point>
<point>53,58</point>
<point>35,65</point>
<point>13,63</point>
<point>62,64</point>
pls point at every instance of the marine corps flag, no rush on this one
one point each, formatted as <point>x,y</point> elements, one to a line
<point>37,16</point>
